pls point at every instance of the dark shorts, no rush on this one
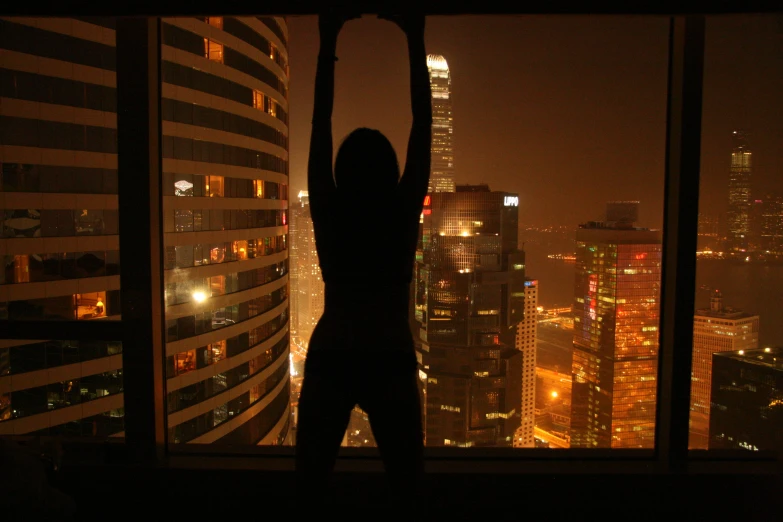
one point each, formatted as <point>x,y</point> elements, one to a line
<point>353,365</point>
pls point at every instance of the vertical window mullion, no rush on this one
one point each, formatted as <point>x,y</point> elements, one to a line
<point>141,236</point>
<point>681,196</point>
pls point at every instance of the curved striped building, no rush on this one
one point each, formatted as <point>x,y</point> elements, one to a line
<point>225,184</point>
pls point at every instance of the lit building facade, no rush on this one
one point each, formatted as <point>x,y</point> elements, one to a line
<point>307,285</point>
<point>747,400</point>
<point>469,290</point>
<point>60,243</point>
<point>224,123</point>
<point>442,151</point>
<point>225,184</point>
<point>527,332</point>
<point>771,224</point>
<point>616,315</point>
<point>739,213</point>
<point>307,293</point>
<point>715,329</point>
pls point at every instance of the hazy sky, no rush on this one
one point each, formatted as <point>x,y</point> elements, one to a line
<point>567,111</point>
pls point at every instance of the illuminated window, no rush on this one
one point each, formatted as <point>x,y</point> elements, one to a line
<point>271,106</point>
<point>213,50</point>
<point>215,186</point>
<point>217,285</point>
<point>240,249</point>
<point>185,362</point>
<point>214,21</point>
<point>216,351</point>
<point>21,269</point>
<point>258,188</point>
<point>273,52</point>
<point>90,305</point>
<point>258,100</point>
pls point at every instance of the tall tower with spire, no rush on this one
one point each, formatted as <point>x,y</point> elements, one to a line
<point>442,151</point>
<point>739,192</point>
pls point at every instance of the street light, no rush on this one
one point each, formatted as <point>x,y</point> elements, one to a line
<point>199,296</point>
<point>554,395</point>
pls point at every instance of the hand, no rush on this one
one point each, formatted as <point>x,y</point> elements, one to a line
<point>330,23</point>
<point>411,24</point>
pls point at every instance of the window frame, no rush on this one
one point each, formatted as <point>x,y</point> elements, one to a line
<point>143,309</point>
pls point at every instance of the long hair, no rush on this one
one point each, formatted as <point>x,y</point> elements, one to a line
<point>366,162</point>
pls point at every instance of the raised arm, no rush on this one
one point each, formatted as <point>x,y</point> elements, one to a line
<point>416,175</point>
<point>320,180</point>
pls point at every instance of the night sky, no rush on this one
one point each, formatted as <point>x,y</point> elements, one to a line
<point>567,111</point>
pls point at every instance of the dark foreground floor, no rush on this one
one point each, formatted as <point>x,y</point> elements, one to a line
<point>106,495</point>
<point>113,492</point>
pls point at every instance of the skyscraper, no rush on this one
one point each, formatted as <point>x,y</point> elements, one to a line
<point>225,178</point>
<point>225,163</point>
<point>715,329</point>
<point>468,301</point>
<point>526,343</point>
<point>747,400</point>
<point>307,292</point>
<point>60,230</point>
<point>771,226</point>
<point>307,286</point>
<point>738,217</point>
<point>616,314</point>
<point>442,168</point>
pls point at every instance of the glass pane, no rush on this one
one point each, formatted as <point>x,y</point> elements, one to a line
<point>737,376</point>
<point>58,171</point>
<point>227,267</point>
<point>536,304</point>
<point>61,388</point>
<point>58,186</point>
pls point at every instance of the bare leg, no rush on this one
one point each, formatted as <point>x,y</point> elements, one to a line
<point>393,406</point>
<point>324,411</point>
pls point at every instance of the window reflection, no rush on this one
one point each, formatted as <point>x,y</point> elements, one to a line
<point>203,322</point>
<point>193,185</point>
<point>57,395</point>
<point>59,223</point>
<point>75,306</point>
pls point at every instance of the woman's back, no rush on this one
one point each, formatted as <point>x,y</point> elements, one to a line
<point>366,226</point>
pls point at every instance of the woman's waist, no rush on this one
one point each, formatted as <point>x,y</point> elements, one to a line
<point>362,331</point>
<point>375,294</point>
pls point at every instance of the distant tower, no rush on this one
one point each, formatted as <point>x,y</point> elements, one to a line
<point>442,151</point>
<point>527,331</point>
<point>616,315</point>
<point>739,192</point>
<point>715,330</point>
<point>306,281</point>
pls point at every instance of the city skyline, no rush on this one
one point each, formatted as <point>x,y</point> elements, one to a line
<point>576,121</point>
<point>220,218</point>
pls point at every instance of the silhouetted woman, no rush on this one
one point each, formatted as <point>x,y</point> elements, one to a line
<point>366,220</point>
